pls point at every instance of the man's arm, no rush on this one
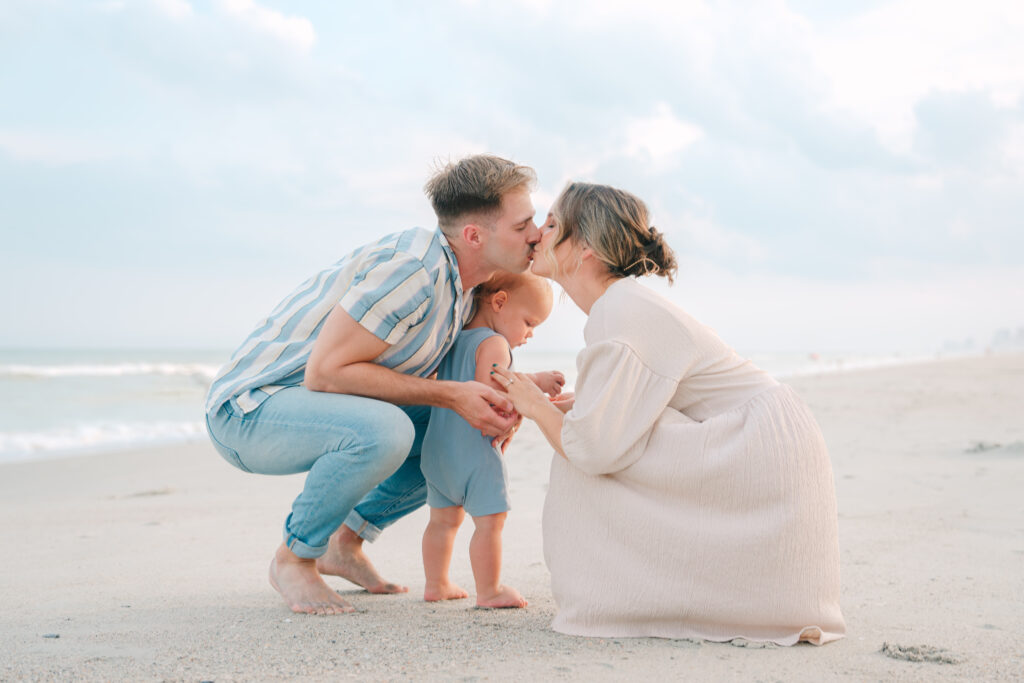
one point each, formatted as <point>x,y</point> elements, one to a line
<point>341,362</point>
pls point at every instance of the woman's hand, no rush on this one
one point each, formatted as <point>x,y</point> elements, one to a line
<point>533,403</point>
<point>527,397</point>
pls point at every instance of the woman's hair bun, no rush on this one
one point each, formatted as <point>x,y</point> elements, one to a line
<point>653,257</point>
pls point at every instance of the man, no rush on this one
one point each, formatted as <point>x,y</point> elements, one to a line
<point>336,381</point>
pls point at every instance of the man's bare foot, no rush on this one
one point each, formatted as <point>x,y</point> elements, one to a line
<point>345,558</point>
<point>505,596</point>
<point>444,591</point>
<point>302,587</point>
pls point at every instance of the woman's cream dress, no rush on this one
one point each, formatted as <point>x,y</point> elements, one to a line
<point>697,499</point>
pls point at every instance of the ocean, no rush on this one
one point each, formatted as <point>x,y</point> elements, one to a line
<point>78,401</point>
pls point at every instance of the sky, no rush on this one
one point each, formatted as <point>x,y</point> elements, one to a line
<point>832,176</point>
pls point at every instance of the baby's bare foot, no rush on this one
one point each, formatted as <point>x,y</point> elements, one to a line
<point>298,582</point>
<point>505,596</point>
<point>444,591</point>
<point>345,558</point>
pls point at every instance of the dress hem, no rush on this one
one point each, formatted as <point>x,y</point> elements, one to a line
<point>804,635</point>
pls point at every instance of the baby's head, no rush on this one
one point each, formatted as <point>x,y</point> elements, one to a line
<point>512,304</point>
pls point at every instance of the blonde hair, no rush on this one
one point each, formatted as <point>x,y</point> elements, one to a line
<point>474,185</point>
<point>509,282</point>
<point>615,225</point>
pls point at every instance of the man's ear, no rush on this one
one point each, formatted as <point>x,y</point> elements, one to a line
<point>499,300</point>
<point>471,234</point>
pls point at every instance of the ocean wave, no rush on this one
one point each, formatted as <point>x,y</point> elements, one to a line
<point>198,370</point>
<point>94,437</point>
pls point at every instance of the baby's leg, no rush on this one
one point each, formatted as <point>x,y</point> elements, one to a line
<point>438,540</point>
<point>485,556</point>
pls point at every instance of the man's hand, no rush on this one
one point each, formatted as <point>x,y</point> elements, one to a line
<point>483,408</point>
<point>503,440</point>
<point>550,381</point>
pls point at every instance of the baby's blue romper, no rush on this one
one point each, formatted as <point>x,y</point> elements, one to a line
<point>459,463</point>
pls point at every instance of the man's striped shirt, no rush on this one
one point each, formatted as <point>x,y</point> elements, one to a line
<point>405,289</point>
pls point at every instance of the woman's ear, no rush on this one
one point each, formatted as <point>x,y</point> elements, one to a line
<point>499,300</point>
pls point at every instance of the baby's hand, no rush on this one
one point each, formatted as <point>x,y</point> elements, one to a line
<point>564,402</point>
<point>550,382</point>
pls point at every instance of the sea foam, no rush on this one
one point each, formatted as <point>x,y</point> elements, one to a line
<point>198,370</point>
<point>93,437</point>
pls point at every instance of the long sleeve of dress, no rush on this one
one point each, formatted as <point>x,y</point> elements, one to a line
<point>618,400</point>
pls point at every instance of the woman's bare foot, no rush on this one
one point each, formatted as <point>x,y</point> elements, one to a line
<point>505,596</point>
<point>302,587</point>
<point>345,558</point>
<point>444,591</point>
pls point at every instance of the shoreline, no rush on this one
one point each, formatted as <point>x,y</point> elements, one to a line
<point>151,563</point>
<point>193,432</point>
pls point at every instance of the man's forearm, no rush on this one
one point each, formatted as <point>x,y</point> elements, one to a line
<point>376,381</point>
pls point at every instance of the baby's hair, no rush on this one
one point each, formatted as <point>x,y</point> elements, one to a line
<point>509,282</point>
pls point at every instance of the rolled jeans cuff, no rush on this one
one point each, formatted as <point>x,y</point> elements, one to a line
<point>303,550</point>
<point>365,530</point>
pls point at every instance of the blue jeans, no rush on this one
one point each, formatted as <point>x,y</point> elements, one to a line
<point>362,455</point>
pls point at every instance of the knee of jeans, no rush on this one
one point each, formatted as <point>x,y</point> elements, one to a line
<point>395,443</point>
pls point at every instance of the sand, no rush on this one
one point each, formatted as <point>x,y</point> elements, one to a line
<point>152,564</point>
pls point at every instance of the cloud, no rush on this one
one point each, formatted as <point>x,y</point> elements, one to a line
<point>110,5</point>
<point>1013,149</point>
<point>176,9</point>
<point>702,235</point>
<point>892,312</point>
<point>881,63</point>
<point>660,137</point>
<point>52,149</point>
<point>292,30</point>
<point>963,128</point>
<point>788,148</point>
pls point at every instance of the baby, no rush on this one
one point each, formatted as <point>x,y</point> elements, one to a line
<point>464,471</point>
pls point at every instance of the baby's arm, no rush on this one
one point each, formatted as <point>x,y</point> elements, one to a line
<point>492,351</point>
<point>495,351</point>
<point>550,382</point>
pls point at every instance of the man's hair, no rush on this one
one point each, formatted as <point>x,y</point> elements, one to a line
<point>474,186</point>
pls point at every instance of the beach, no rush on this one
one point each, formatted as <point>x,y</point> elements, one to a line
<point>151,563</point>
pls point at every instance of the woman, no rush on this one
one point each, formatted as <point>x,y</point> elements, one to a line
<point>694,496</point>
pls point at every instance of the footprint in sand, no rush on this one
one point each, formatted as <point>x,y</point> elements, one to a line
<point>919,653</point>
<point>1012,448</point>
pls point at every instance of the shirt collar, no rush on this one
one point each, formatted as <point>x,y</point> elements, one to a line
<point>453,263</point>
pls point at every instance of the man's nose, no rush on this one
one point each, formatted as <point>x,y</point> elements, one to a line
<point>535,233</point>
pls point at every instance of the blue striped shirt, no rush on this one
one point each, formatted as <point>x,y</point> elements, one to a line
<point>405,289</point>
